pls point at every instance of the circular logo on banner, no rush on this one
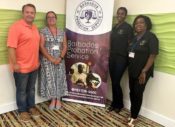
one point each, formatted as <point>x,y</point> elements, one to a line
<point>88,15</point>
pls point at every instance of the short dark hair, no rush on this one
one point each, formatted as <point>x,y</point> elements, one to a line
<point>28,5</point>
<point>124,9</point>
<point>52,13</point>
<point>147,21</point>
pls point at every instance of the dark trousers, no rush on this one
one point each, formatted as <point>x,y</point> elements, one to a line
<point>25,90</point>
<point>117,66</point>
<point>136,95</point>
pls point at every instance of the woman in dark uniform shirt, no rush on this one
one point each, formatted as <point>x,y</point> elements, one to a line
<point>121,35</point>
<point>142,53</point>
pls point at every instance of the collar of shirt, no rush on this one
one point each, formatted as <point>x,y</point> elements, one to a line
<point>118,25</point>
<point>25,24</point>
<point>138,37</point>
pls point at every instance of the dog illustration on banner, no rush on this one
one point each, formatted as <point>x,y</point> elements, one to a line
<point>82,76</point>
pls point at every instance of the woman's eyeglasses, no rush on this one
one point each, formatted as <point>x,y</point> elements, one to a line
<point>51,17</point>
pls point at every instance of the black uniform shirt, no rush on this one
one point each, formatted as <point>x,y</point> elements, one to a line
<point>143,48</point>
<point>120,36</point>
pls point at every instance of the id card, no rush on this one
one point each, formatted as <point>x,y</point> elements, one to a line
<point>55,47</point>
<point>131,54</point>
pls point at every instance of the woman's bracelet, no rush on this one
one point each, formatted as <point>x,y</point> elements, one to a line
<point>144,71</point>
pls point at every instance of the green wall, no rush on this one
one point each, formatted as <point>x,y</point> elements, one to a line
<point>8,17</point>
<point>163,27</point>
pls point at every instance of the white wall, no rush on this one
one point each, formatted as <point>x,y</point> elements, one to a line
<point>159,96</point>
<point>41,5</point>
<point>146,6</point>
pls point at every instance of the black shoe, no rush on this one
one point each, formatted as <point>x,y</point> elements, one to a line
<point>117,110</point>
<point>110,109</point>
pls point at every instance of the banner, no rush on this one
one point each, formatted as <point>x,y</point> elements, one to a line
<point>88,26</point>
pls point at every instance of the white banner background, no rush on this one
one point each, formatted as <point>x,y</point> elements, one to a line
<point>105,26</point>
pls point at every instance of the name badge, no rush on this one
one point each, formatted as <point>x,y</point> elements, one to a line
<point>131,54</point>
<point>55,47</point>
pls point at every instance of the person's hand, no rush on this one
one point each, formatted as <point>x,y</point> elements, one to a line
<point>53,60</point>
<point>16,68</point>
<point>142,77</point>
<point>57,61</point>
<point>89,63</point>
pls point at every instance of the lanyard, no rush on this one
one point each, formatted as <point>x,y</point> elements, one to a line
<point>134,46</point>
<point>55,39</point>
<point>137,42</point>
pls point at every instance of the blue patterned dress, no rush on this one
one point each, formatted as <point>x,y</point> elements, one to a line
<point>52,78</point>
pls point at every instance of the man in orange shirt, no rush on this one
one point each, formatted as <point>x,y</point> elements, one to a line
<point>23,46</point>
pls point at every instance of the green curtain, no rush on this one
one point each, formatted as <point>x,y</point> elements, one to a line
<point>163,27</point>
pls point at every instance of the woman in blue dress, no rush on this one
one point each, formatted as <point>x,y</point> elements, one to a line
<point>53,47</point>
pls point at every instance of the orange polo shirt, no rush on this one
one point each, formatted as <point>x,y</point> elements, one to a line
<point>25,39</point>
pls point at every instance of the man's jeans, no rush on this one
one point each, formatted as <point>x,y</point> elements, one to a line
<point>25,90</point>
